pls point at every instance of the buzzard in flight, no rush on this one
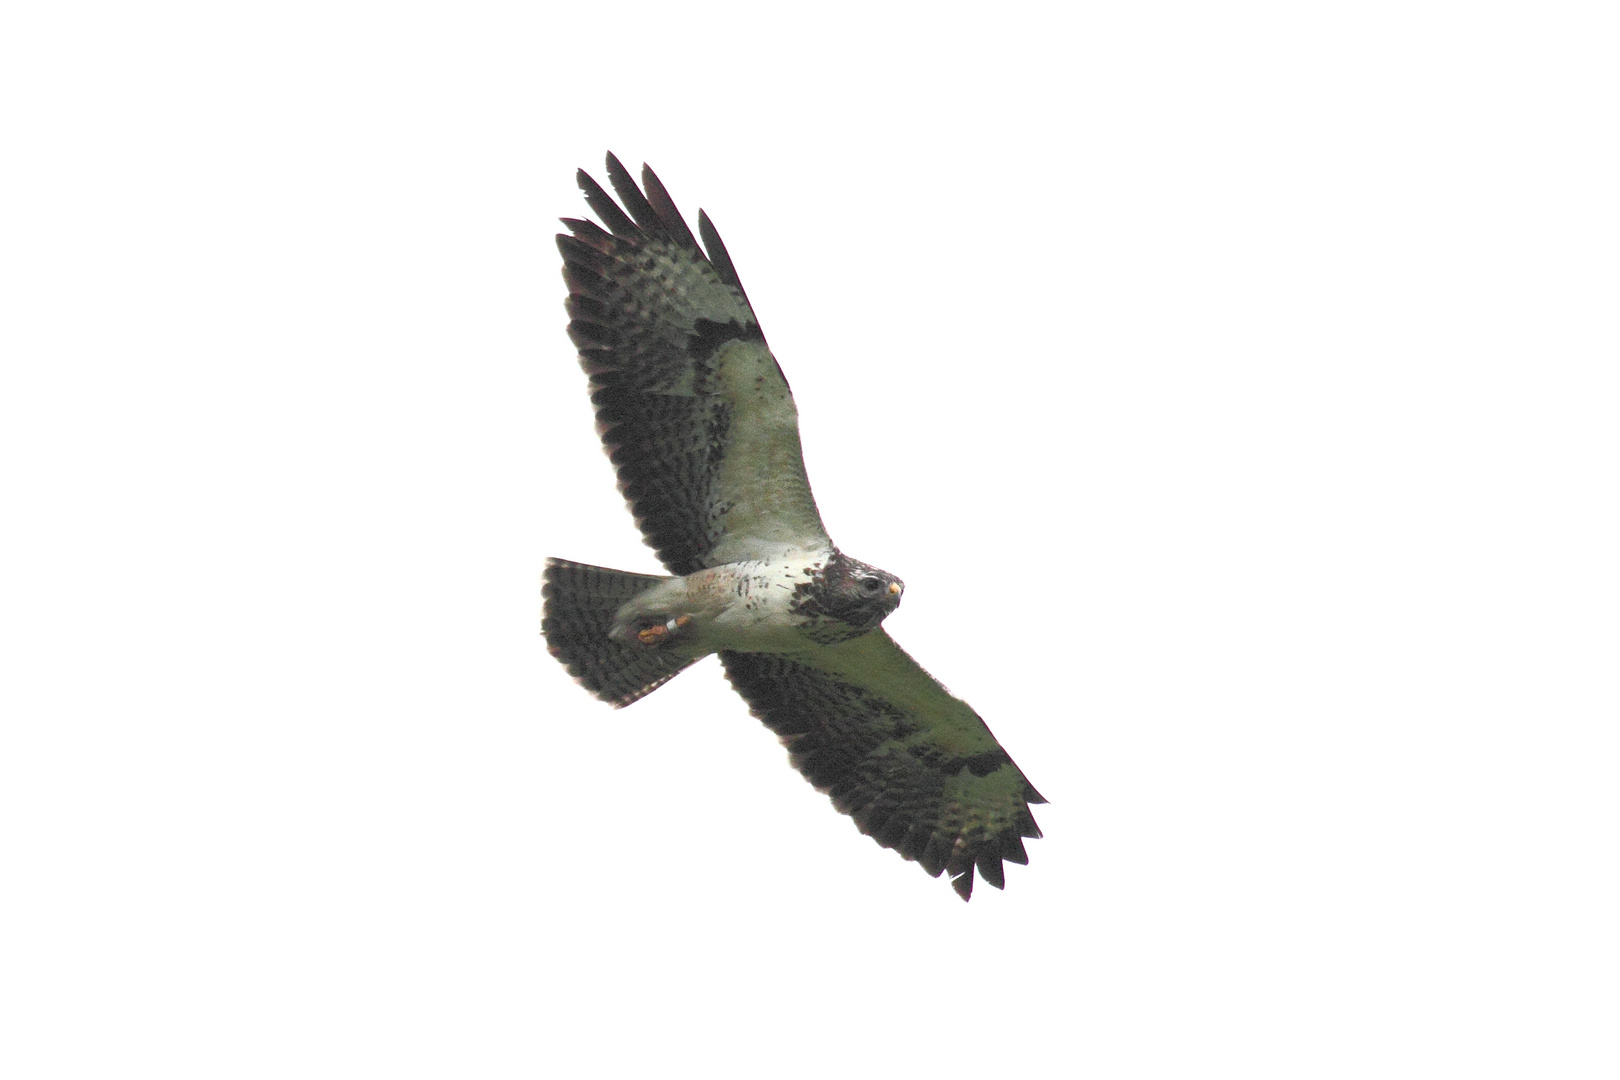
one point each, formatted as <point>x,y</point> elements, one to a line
<point>700,425</point>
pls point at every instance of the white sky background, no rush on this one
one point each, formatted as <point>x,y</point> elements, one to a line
<point>1232,385</point>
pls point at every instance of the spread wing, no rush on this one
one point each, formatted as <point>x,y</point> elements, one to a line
<point>909,761</point>
<point>692,408</point>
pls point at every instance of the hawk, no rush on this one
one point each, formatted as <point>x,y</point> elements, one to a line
<point>700,425</point>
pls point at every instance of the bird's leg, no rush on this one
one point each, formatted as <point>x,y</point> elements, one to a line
<point>665,632</point>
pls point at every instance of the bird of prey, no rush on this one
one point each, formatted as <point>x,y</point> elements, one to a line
<point>700,425</point>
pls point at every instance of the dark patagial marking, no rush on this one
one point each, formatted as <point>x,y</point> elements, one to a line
<point>979,764</point>
<point>707,336</point>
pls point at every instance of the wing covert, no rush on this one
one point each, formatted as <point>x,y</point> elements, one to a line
<point>690,404</point>
<point>913,764</point>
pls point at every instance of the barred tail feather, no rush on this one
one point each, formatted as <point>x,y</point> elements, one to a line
<point>581,601</point>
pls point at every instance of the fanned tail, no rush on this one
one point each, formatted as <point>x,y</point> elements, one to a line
<point>581,601</point>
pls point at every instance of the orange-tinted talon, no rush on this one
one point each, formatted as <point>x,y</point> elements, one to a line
<point>661,633</point>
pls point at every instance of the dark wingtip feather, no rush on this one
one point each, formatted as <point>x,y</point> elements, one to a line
<point>917,846</point>
<point>577,253</point>
<point>590,233</point>
<point>963,884</point>
<point>719,257</point>
<point>635,203</point>
<point>938,853</point>
<point>604,206</point>
<point>664,207</point>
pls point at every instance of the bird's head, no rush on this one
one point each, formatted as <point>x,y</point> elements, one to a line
<point>850,592</point>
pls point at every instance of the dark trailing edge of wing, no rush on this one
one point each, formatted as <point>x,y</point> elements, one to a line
<point>847,743</point>
<point>638,331</point>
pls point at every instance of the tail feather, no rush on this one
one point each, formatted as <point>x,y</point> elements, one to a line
<point>581,601</point>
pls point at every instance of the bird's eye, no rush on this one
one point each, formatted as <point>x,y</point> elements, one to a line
<point>871,584</point>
